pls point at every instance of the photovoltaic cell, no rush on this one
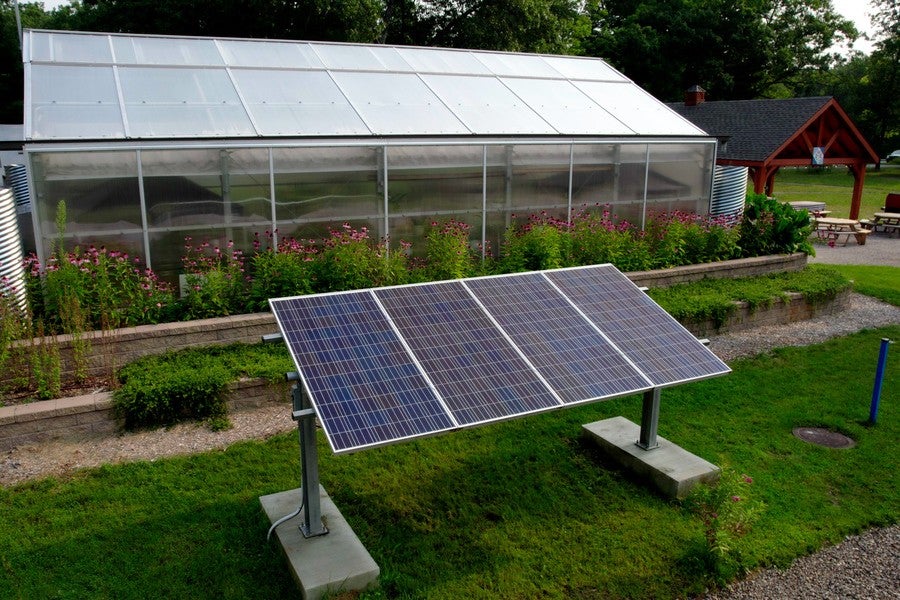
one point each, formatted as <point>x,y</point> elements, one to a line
<point>577,361</point>
<point>660,347</point>
<point>364,385</point>
<point>475,369</point>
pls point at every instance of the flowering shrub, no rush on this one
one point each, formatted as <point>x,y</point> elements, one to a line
<point>542,242</point>
<point>597,239</point>
<point>678,238</point>
<point>109,287</point>
<point>725,510</point>
<point>282,269</point>
<point>349,261</point>
<point>447,251</point>
<point>215,280</point>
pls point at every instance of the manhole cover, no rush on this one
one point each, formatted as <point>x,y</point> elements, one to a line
<point>823,437</point>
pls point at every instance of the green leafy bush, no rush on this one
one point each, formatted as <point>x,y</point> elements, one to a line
<point>447,251</point>
<point>280,271</point>
<point>772,227</point>
<point>597,239</point>
<point>540,243</point>
<point>191,383</point>
<point>215,281</point>
<point>349,260</point>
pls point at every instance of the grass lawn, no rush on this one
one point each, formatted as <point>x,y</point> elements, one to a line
<point>880,282</point>
<point>834,187</point>
<point>522,509</point>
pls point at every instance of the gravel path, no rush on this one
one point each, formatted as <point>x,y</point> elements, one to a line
<point>864,566</point>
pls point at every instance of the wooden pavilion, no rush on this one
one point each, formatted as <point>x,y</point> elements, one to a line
<point>765,135</point>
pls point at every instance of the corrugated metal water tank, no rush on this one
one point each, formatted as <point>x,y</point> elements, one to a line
<point>729,191</point>
<point>17,179</point>
<point>11,265</point>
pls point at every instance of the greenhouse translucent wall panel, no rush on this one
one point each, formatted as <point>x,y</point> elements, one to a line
<point>429,184</point>
<point>630,173</point>
<point>679,178</point>
<point>101,196</point>
<point>320,188</point>
<point>540,179</point>
<point>74,102</point>
<point>594,176</point>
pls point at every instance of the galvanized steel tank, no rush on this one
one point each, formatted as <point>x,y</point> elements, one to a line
<point>729,191</point>
<point>12,269</point>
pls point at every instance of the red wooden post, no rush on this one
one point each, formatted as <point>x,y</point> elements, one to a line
<point>859,176</point>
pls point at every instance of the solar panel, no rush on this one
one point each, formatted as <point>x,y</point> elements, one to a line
<point>577,361</point>
<point>363,383</point>
<point>408,361</point>
<point>473,366</point>
<point>658,344</point>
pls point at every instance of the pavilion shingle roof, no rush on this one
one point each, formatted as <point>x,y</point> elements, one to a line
<point>755,128</point>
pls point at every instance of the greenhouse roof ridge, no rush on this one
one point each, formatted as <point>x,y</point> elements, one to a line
<point>105,86</point>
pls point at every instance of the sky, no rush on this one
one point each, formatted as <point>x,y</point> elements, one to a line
<point>855,10</point>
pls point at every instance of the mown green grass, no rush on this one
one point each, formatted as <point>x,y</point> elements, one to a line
<point>880,282</point>
<point>834,187</point>
<point>521,509</point>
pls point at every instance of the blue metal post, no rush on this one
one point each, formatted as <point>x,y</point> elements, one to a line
<point>879,379</point>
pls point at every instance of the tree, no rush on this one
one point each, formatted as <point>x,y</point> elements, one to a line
<point>883,76</point>
<point>11,79</point>
<point>551,26</point>
<point>736,49</point>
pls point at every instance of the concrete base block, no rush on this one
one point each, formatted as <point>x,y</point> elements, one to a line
<point>328,564</point>
<point>671,469</point>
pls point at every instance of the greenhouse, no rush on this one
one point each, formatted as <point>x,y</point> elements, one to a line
<point>149,140</point>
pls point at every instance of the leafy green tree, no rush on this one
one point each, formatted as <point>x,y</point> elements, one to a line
<point>552,26</point>
<point>735,49</point>
<point>11,82</point>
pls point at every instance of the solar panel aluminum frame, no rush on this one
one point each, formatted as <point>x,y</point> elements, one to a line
<point>715,368</point>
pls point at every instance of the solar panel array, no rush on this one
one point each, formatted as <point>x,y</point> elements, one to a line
<point>389,364</point>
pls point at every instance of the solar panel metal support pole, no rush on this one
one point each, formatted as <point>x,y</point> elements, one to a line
<point>649,420</point>
<point>309,458</point>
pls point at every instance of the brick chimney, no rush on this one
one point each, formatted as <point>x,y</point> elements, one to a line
<point>694,95</point>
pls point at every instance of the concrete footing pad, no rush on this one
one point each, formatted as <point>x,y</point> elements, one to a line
<point>328,564</point>
<point>670,468</point>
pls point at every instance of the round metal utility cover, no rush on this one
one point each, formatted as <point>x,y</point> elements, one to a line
<point>823,437</point>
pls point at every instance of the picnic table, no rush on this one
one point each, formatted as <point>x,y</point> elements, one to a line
<point>887,221</point>
<point>841,230</point>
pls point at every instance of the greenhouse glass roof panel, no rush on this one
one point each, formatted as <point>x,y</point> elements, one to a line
<point>361,58</point>
<point>166,51</point>
<point>72,48</point>
<point>565,107</point>
<point>485,105</point>
<point>170,87</point>
<point>304,102</point>
<point>78,102</point>
<point>398,103</point>
<point>640,111</point>
<point>437,60</point>
<point>177,102</point>
<point>583,68</point>
<point>277,55</point>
